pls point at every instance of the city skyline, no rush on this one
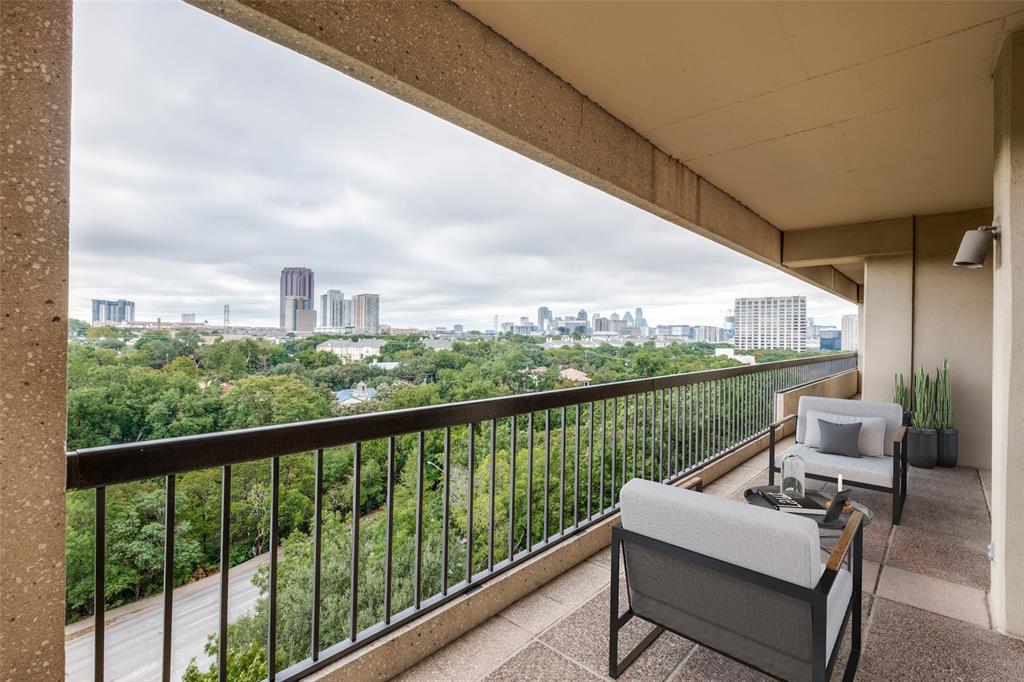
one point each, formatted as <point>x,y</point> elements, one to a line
<point>185,209</point>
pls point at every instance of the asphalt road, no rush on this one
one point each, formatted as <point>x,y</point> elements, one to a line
<point>134,633</point>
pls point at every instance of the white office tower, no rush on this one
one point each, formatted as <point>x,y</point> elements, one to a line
<point>850,331</point>
<point>332,309</point>
<point>778,322</point>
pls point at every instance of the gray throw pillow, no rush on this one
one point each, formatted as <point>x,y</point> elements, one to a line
<point>839,439</point>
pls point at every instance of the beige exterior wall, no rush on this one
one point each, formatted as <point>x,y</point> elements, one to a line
<point>887,335</point>
<point>35,107</point>
<point>953,319</point>
<point>1007,595</point>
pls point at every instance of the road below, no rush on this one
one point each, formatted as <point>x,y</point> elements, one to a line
<point>134,633</point>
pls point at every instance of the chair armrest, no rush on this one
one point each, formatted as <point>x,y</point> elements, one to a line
<point>775,425</point>
<point>900,433</point>
<point>835,560</point>
<point>694,482</point>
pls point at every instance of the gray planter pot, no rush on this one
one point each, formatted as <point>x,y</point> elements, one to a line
<point>922,447</point>
<point>947,447</point>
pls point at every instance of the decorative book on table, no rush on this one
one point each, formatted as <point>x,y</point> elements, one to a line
<point>793,505</point>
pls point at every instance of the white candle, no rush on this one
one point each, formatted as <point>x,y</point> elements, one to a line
<point>839,487</point>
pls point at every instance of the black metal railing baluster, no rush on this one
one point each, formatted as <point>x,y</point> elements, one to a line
<point>576,473</point>
<point>99,583</point>
<point>446,496</point>
<point>636,409</point>
<point>512,492</point>
<point>417,587</point>
<point>225,560</point>
<point>643,442</point>
<point>275,539</point>
<point>614,452</point>
<point>547,469</point>
<point>529,481</point>
<point>604,448</point>
<point>318,531</point>
<point>470,466</point>
<point>561,480</point>
<point>491,491</point>
<point>357,472</point>
<point>389,530</point>
<point>168,579</point>
<point>590,463</point>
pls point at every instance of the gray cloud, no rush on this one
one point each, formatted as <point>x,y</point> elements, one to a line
<point>205,159</point>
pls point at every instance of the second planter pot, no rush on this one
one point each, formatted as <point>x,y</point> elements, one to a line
<point>922,447</point>
<point>947,447</point>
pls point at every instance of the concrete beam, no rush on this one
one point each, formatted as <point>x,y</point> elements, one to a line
<point>442,59</point>
<point>35,140</point>
<point>829,279</point>
<point>848,243</point>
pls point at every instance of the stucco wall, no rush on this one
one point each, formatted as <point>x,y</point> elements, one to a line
<point>953,319</point>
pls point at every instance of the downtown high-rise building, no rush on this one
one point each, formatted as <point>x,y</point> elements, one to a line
<point>332,309</point>
<point>112,312</point>
<point>295,282</point>
<point>299,315</point>
<point>366,313</point>
<point>545,319</point>
<point>778,322</point>
<point>850,330</point>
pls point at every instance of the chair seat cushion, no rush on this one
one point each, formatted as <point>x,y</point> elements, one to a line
<point>870,470</point>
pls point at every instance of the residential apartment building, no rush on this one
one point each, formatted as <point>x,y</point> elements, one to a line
<point>851,331</point>
<point>295,282</point>
<point>352,351</point>
<point>299,315</point>
<point>366,313</point>
<point>332,309</point>
<point>771,322</point>
<point>112,312</point>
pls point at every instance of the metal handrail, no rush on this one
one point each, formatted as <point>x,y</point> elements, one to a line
<point>126,462</point>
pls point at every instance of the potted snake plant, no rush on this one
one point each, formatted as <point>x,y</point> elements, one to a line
<point>945,421</point>
<point>922,438</point>
<point>900,396</point>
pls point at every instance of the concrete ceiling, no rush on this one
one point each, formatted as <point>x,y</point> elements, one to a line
<point>812,114</point>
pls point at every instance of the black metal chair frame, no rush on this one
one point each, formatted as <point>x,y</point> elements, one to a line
<point>899,468</point>
<point>817,597</point>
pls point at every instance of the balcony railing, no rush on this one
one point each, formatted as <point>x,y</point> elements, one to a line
<point>577,446</point>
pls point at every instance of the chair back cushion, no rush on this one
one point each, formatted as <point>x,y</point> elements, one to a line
<point>892,413</point>
<point>774,543</point>
<point>870,439</point>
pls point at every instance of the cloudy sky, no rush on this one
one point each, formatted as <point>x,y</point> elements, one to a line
<point>205,159</point>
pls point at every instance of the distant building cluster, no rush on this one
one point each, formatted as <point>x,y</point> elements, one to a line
<point>359,315</point>
<point>120,311</point>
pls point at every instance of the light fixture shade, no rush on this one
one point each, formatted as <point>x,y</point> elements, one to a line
<point>973,248</point>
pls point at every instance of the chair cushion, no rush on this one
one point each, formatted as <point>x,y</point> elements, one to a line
<point>870,440</point>
<point>839,439</point>
<point>890,412</point>
<point>784,546</point>
<point>871,470</point>
<point>838,601</point>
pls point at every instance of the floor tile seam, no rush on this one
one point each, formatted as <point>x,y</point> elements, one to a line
<point>973,626</point>
<point>571,660</point>
<point>512,655</point>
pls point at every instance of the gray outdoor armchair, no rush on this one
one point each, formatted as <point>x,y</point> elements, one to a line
<point>741,580</point>
<point>885,471</point>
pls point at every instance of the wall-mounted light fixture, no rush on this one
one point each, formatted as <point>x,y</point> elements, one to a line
<point>974,246</point>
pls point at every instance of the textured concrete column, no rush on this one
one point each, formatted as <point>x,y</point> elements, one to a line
<point>1008,341</point>
<point>887,337</point>
<point>35,107</point>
